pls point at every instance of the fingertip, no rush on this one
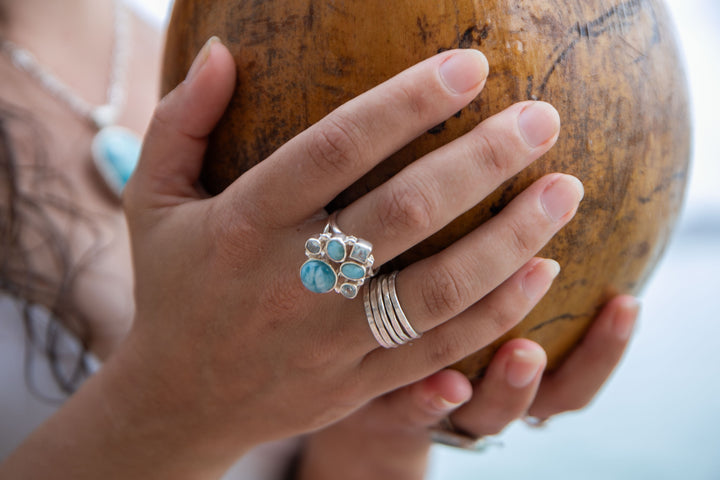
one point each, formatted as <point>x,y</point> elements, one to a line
<point>209,87</point>
<point>539,124</point>
<point>464,70</point>
<point>561,196</point>
<point>176,138</point>
<point>526,361</point>
<point>539,277</point>
<point>625,317</point>
<point>446,390</point>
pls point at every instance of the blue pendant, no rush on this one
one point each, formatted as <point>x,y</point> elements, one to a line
<point>115,152</point>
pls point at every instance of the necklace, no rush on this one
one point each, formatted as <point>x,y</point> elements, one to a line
<point>115,150</point>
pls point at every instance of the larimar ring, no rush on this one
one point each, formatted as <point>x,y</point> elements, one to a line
<point>336,262</point>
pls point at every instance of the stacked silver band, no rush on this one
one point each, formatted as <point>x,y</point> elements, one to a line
<point>386,318</point>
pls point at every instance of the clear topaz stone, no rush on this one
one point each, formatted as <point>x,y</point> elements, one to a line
<point>313,246</point>
<point>317,276</point>
<point>349,290</point>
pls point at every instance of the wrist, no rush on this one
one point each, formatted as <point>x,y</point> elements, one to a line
<point>161,417</point>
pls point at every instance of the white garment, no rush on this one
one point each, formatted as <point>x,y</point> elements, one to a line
<point>22,410</point>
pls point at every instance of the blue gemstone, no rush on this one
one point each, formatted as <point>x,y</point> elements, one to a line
<point>317,276</point>
<point>352,271</point>
<point>336,250</point>
<point>116,151</point>
<point>361,251</point>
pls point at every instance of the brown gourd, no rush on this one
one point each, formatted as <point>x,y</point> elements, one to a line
<point>611,68</point>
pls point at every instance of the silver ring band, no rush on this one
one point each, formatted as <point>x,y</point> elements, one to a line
<point>402,335</point>
<point>399,311</point>
<point>388,323</point>
<point>374,327</point>
<point>447,434</point>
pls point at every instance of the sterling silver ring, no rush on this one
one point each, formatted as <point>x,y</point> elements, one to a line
<point>386,318</point>
<point>336,262</point>
<point>447,434</point>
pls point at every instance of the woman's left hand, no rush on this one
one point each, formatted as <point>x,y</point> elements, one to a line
<point>393,431</point>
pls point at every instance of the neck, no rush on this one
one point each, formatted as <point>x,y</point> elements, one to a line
<point>72,38</point>
<point>27,18</point>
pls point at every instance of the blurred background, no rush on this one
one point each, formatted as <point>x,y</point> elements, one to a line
<point>659,416</point>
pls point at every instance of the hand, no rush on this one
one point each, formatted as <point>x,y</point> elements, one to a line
<point>228,348</point>
<point>392,432</point>
<point>220,308</point>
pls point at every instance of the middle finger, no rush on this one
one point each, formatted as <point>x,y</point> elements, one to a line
<point>431,192</point>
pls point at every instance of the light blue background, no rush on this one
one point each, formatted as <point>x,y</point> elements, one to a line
<point>659,417</point>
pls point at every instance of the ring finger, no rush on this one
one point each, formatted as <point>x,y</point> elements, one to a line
<point>444,285</point>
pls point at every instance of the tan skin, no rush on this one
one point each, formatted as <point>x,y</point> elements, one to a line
<point>334,391</point>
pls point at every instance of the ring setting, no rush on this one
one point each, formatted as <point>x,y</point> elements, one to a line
<point>336,262</point>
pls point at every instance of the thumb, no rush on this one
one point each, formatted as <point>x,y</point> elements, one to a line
<point>176,139</point>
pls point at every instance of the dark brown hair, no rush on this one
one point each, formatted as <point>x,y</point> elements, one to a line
<point>26,212</point>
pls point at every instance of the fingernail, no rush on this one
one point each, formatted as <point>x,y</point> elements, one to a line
<point>624,322</point>
<point>445,405</point>
<point>538,123</point>
<point>523,367</point>
<point>464,70</point>
<point>562,196</point>
<point>201,59</point>
<point>538,280</point>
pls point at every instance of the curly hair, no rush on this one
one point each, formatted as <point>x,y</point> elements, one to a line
<point>27,229</point>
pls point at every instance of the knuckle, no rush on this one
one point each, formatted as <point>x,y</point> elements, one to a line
<point>282,299</point>
<point>414,101</point>
<point>406,207</point>
<point>489,154</point>
<point>320,357</point>
<point>444,293</point>
<point>519,239</point>
<point>498,319</point>
<point>236,237</point>
<point>504,317</point>
<point>336,146</point>
<point>446,351</point>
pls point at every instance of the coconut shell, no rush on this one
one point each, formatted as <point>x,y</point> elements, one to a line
<point>612,70</point>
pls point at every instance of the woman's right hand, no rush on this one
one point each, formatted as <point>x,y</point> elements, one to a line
<point>228,348</point>
<point>223,318</point>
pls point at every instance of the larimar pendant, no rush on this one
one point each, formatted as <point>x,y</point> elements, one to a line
<point>115,152</point>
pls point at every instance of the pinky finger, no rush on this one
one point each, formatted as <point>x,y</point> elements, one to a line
<point>581,376</point>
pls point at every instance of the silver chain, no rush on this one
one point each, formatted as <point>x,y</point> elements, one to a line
<point>100,115</point>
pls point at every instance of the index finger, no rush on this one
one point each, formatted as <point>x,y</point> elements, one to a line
<point>315,166</point>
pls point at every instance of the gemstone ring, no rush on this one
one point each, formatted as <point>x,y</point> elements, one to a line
<point>336,262</point>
